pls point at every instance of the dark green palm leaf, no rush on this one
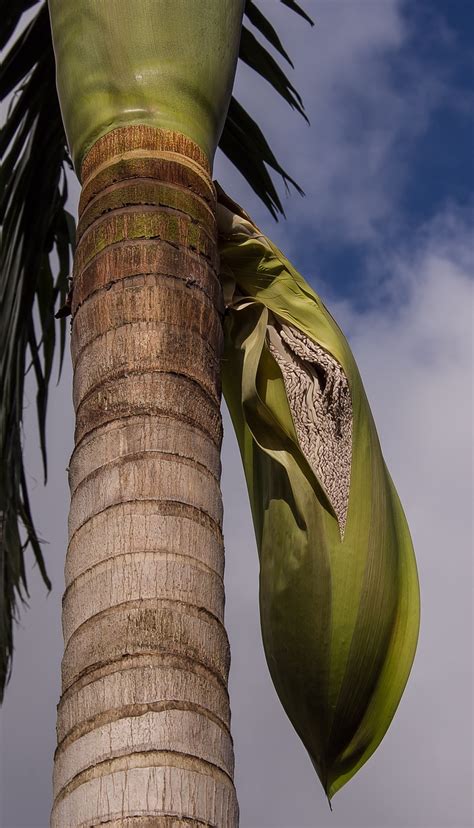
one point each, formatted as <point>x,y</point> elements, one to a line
<point>258,58</point>
<point>32,215</point>
<point>11,12</point>
<point>35,223</point>
<point>265,28</point>
<point>296,8</point>
<point>244,144</point>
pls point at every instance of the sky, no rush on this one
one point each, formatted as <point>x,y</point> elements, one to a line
<point>384,235</point>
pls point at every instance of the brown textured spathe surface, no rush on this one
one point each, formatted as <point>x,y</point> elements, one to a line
<point>320,403</point>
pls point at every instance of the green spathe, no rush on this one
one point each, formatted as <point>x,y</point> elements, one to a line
<point>164,63</point>
<point>339,613</point>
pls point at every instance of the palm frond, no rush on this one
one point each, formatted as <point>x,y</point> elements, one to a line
<point>35,224</point>
<point>296,8</point>
<point>258,58</point>
<point>245,145</point>
<point>242,140</point>
<point>260,22</point>
<point>11,12</point>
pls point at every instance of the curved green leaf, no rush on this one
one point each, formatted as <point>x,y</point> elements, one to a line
<point>339,597</point>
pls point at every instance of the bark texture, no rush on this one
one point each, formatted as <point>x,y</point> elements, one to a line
<point>143,720</point>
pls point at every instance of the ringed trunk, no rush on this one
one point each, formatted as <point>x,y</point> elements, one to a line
<point>143,720</point>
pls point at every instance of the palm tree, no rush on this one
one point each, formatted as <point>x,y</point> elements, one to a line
<point>143,720</point>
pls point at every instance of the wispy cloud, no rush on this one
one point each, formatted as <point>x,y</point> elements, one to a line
<point>369,99</point>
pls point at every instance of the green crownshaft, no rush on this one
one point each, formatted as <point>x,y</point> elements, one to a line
<point>163,64</point>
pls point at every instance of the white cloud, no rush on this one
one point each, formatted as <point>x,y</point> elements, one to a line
<point>354,161</point>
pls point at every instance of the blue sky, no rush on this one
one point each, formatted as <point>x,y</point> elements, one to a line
<point>441,36</point>
<point>385,236</point>
<point>399,105</point>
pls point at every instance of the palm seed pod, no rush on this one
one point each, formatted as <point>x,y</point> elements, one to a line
<point>339,596</point>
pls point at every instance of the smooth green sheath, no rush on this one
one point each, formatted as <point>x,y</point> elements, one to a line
<point>164,63</point>
<point>339,616</point>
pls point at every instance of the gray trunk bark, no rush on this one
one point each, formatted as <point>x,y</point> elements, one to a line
<point>143,720</point>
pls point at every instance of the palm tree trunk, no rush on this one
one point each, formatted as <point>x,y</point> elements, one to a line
<point>143,720</point>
